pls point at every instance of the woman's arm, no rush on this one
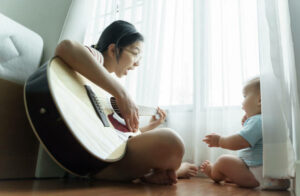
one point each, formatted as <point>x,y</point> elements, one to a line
<point>81,60</point>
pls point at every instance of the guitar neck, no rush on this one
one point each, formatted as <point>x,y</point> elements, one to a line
<point>143,110</point>
<point>147,111</point>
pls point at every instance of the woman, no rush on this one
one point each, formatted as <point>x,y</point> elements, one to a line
<point>153,156</point>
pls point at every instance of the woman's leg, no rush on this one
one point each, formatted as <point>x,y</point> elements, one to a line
<point>153,155</point>
<point>187,170</point>
<point>230,167</point>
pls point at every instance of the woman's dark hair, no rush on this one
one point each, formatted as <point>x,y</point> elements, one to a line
<point>120,33</point>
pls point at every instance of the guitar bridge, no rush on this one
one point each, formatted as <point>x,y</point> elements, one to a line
<point>96,106</point>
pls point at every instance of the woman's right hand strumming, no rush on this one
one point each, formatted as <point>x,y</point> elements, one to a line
<point>129,112</point>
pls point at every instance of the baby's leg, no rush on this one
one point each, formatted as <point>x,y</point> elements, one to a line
<point>233,168</point>
<point>206,168</point>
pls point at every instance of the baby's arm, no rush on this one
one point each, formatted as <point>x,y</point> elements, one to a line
<point>233,142</point>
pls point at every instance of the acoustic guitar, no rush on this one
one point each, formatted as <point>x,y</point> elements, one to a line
<point>76,121</point>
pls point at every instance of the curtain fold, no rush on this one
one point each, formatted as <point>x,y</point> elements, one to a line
<point>76,22</point>
<point>280,100</point>
<point>164,76</point>
<point>225,56</point>
<point>195,63</point>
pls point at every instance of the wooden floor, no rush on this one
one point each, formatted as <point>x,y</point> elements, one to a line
<point>75,187</point>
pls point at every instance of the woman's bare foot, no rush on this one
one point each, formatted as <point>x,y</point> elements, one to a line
<point>187,170</point>
<point>163,177</point>
<point>206,168</point>
<point>227,180</point>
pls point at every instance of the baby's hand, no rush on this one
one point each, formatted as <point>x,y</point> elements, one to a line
<point>244,119</point>
<point>212,140</point>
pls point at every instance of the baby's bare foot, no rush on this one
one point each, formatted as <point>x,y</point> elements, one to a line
<point>187,170</point>
<point>206,168</point>
<point>160,177</point>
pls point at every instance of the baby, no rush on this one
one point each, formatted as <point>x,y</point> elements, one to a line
<point>246,169</point>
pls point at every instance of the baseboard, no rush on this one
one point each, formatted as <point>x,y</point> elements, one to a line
<point>297,179</point>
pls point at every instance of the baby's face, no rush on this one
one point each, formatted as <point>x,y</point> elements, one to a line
<point>252,102</point>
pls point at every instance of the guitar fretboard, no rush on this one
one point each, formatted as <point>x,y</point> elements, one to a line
<point>96,105</point>
<point>143,110</point>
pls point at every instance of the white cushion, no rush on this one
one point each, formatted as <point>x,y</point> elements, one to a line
<point>20,50</point>
<point>8,49</point>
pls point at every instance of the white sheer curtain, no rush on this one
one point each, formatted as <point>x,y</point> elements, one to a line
<point>280,99</point>
<point>165,74</point>
<point>225,56</point>
<point>198,54</point>
<point>196,57</point>
<point>75,25</point>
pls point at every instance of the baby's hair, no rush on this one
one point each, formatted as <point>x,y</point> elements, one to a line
<point>254,82</point>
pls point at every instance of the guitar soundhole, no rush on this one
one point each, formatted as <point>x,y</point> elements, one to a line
<point>114,105</point>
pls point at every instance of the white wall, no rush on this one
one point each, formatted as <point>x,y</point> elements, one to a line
<point>45,17</point>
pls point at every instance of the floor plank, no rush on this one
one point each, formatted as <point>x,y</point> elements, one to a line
<point>76,187</point>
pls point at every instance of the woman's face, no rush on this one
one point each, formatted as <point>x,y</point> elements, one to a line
<point>129,58</point>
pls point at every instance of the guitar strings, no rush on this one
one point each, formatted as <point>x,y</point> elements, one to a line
<point>142,110</point>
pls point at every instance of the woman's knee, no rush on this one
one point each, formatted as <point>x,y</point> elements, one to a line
<point>169,139</point>
<point>161,148</point>
<point>169,148</point>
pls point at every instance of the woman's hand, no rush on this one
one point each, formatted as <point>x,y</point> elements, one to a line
<point>162,117</point>
<point>129,112</point>
<point>155,122</point>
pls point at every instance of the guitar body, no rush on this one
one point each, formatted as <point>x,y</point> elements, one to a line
<point>66,123</point>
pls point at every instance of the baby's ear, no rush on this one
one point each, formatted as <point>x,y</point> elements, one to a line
<point>259,101</point>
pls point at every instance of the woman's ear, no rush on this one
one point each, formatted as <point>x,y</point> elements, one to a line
<point>111,50</point>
